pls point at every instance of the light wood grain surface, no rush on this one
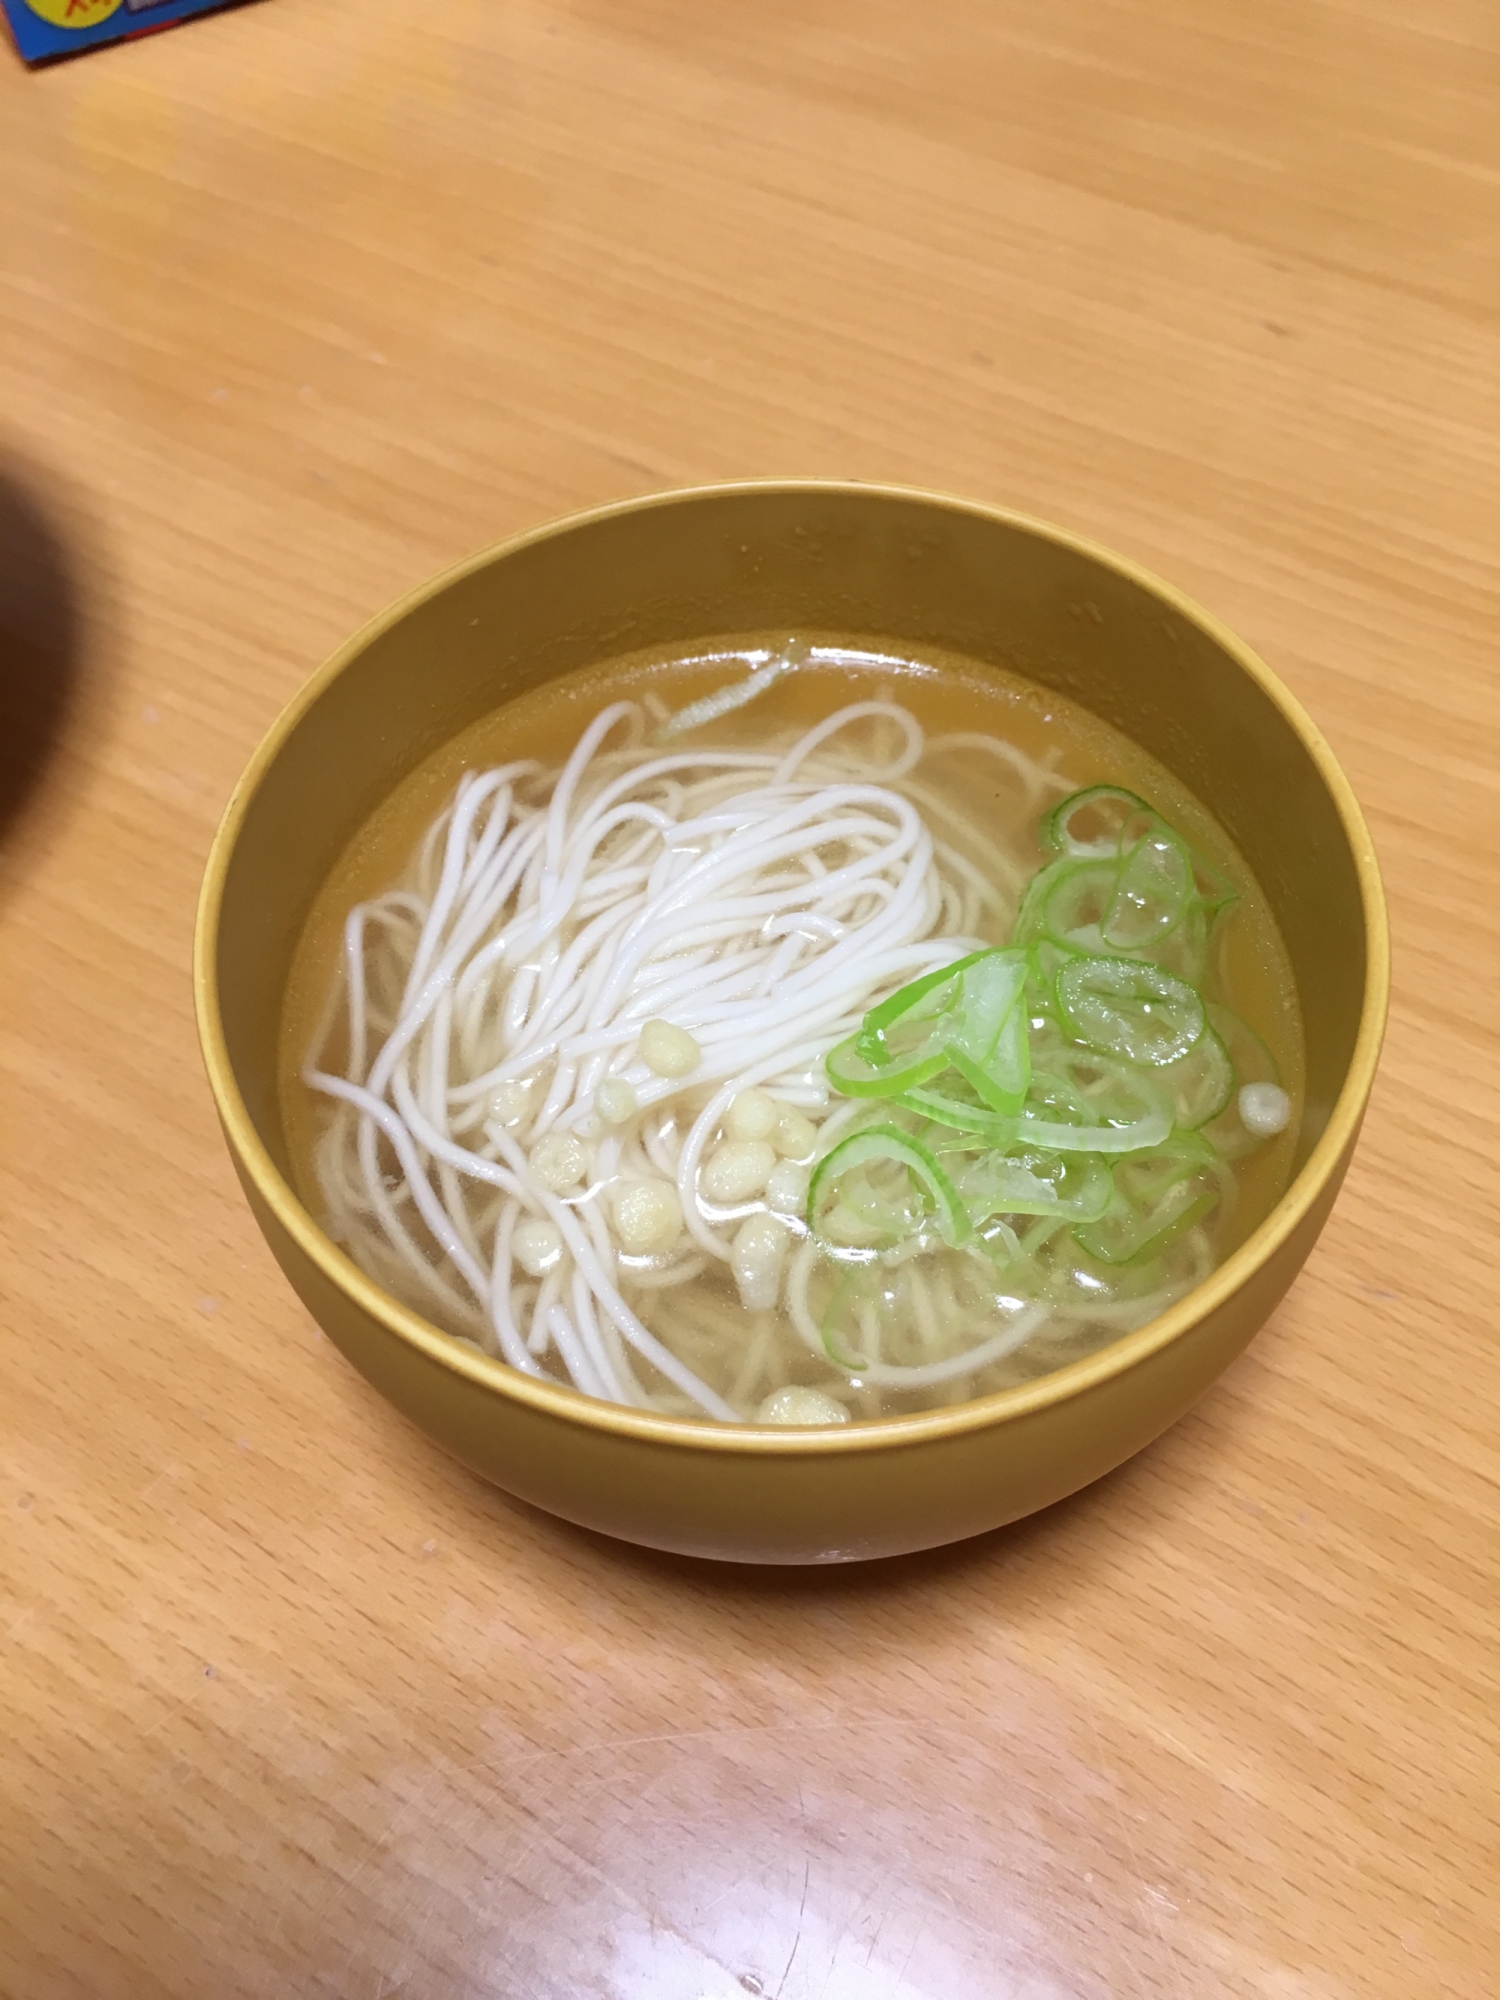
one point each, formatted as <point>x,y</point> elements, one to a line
<point>298,304</point>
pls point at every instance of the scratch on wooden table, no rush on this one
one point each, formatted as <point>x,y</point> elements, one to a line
<point>797,1940</point>
<point>911,1952</point>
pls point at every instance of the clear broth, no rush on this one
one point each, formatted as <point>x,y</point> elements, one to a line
<point>946,693</point>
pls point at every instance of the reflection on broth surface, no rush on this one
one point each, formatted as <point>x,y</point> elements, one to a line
<point>789,1032</point>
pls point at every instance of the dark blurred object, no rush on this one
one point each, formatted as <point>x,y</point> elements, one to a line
<point>41,641</point>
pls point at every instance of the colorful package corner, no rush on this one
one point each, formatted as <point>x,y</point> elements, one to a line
<point>45,29</point>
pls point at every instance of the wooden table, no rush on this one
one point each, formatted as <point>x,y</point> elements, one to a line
<point>306,300</point>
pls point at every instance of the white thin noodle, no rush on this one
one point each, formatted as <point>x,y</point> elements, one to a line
<point>762,901</point>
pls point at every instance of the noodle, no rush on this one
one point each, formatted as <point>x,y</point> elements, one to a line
<point>761,900</point>
<point>574,1066</point>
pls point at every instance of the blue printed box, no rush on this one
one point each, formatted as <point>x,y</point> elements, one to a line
<point>47,28</point>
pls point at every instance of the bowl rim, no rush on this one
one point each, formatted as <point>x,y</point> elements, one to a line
<point>982,1413</point>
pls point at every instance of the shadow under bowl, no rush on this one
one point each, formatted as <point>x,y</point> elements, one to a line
<point>675,569</point>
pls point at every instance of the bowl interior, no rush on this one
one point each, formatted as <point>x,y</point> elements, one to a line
<point>890,564</point>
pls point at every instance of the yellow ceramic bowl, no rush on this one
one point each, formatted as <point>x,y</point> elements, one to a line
<point>898,565</point>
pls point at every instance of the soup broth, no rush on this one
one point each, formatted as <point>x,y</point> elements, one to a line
<point>610,1151</point>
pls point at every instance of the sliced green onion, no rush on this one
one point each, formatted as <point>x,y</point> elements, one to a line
<point>1156,1200</point>
<point>1199,1085</point>
<point>1140,1137</point>
<point>1079,1086</point>
<point>1151,893</point>
<point>888,1142</point>
<point>1001,1081</point>
<point>1062,1105</point>
<point>1089,823</point>
<point>998,1241</point>
<point>883,1202</point>
<point>1078,900</point>
<point>1131,1237</point>
<point>990,989</point>
<point>1009,1066</point>
<point>970,1015</point>
<point>1184,950</point>
<point>1078,1188</point>
<point>1144,1180</point>
<point>1065,904</point>
<point>986,1041</point>
<point>851,1072</point>
<point>1126,1007</point>
<point>1214,889</point>
<point>958,1106</point>
<point>898,1005</point>
<point>1119,1113</point>
<point>1250,1062</point>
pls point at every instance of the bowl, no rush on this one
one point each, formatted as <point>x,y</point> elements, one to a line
<point>679,567</point>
